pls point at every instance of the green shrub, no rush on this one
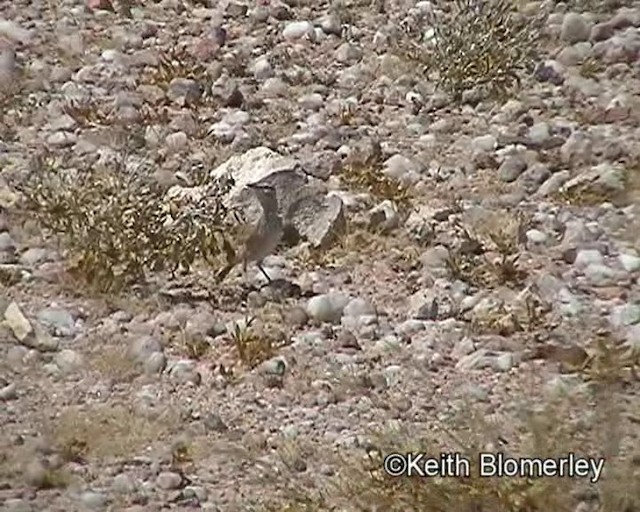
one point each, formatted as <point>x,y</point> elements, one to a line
<point>478,45</point>
<point>117,225</point>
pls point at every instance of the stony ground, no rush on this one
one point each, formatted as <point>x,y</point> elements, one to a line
<point>504,306</point>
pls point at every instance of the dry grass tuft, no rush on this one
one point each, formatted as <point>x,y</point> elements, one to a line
<point>256,342</point>
<point>105,431</point>
<point>113,363</point>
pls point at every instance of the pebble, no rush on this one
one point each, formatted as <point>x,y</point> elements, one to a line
<point>629,262</point>
<point>59,320</point>
<point>168,480</point>
<point>625,315</point>
<point>262,69</point>
<point>94,500</point>
<point>327,307</point>
<point>69,361</point>
<point>536,237</point>
<point>575,28</point>
<point>35,474</point>
<point>35,255</point>
<point>484,143</point>
<point>512,168</point>
<point>184,372</point>
<point>123,484</point>
<point>586,257</point>
<point>297,30</point>
<point>358,307</point>
<point>6,243</point>
<point>140,349</point>
<point>155,363</point>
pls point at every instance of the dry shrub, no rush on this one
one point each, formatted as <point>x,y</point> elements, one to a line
<point>482,45</point>
<point>117,225</point>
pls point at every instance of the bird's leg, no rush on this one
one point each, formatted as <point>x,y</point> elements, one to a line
<point>263,272</point>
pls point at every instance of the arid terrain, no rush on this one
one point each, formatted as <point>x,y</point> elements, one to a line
<point>459,183</point>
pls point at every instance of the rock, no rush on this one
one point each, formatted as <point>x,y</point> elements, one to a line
<point>539,133</point>
<point>347,52</point>
<point>554,183</point>
<point>258,165</point>
<point>275,366</point>
<point>602,31</point>
<point>512,168</point>
<point>586,257</point>
<point>618,109</point>
<point>358,307</point>
<point>331,25</point>
<point>69,361</point>
<point>6,243</point>
<point>297,30</point>
<point>503,362</point>
<point>12,31</point>
<point>35,255</point>
<point>9,392</point>
<point>604,178</point>
<point>142,348</point>
<point>328,307</point>
<point>599,274</point>
<point>296,317</point>
<point>319,219</point>
<point>550,71</point>
<point>36,474</point>
<point>384,217</point>
<point>155,363</point>
<point>262,69</point>
<point>59,320</point>
<point>214,423</point>
<point>94,500</point>
<point>625,315</point>
<point>629,262</point>
<point>402,169</point>
<point>184,91</point>
<point>575,28</point>
<point>185,372</point>
<point>17,322</point>
<point>123,484</point>
<point>18,505</point>
<point>474,361</point>
<point>176,142</point>
<point>536,237</point>
<point>168,480</point>
<point>16,355</point>
<point>9,71</point>
<point>484,143</point>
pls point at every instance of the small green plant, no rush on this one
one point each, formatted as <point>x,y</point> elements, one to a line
<point>194,345</point>
<point>368,176</point>
<point>87,113</point>
<point>118,226</point>
<point>180,63</point>
<point>253,347</point>
<point>481,45</point>
<point>591,67</point>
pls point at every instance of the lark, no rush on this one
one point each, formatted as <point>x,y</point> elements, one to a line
<point>260,239</point>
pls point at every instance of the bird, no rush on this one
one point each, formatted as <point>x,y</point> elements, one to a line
<point>261,238</point>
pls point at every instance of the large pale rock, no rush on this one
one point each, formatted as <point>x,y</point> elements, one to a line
<point>314,216</point>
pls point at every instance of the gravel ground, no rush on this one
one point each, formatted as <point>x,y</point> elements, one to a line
<point>511,285</point>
